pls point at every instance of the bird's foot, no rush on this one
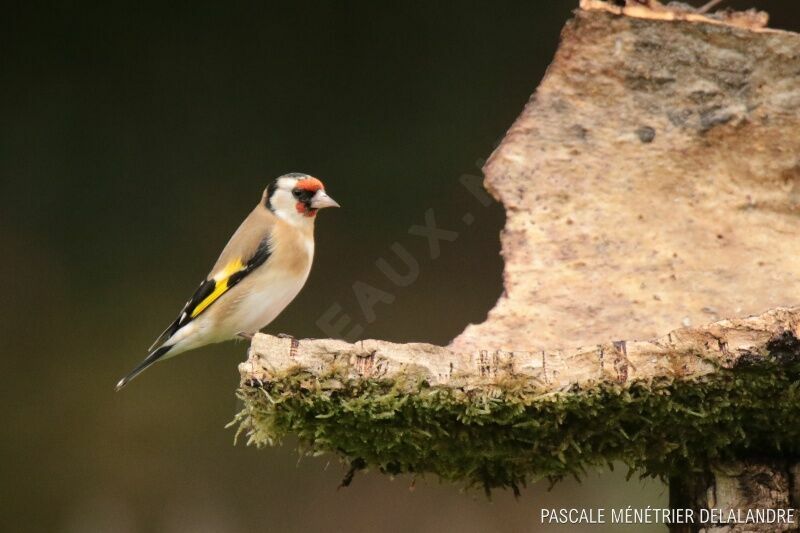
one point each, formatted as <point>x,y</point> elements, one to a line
<point>285,336</point>
<point>244,335</point>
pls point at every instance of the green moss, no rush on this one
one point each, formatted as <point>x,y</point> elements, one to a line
<point>514,434</point>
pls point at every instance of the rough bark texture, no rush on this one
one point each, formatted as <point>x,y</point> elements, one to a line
<point>652,185</point>
<point>737,487</point>
<point>682,354</point>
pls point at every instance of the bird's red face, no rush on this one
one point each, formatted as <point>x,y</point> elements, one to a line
<point>296,197</point>
<point>305,189</point>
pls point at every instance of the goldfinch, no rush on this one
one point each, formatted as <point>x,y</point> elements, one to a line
<point>262,268</point>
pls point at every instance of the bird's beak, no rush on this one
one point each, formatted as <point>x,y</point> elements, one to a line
<point>321,200</point>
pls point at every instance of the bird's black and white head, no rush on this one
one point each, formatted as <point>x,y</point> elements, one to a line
<point>297,197</point>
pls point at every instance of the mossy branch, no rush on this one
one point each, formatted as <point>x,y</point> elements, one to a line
<point>652,181</point>
<point>500,418</point>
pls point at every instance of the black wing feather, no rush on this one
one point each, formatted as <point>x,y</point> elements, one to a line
<point>259,258</point>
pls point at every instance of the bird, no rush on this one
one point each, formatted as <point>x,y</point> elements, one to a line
<point>259,272</point>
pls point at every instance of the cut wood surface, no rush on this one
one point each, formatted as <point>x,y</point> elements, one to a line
<point>652,182</point>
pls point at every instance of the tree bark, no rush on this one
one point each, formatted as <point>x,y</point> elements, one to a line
<point>684,354</point>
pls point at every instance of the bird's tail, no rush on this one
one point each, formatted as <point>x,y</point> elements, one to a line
<point>154,356</point>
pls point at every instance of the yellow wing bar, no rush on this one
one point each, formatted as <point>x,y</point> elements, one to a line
<point>220,286</point>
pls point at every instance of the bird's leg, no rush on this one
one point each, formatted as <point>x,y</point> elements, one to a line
<point>708,6</point>
<point>244,335</point>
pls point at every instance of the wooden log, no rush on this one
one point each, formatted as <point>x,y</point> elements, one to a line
<point>652,193</point>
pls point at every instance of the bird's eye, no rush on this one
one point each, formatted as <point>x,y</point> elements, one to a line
<point>297,193</point>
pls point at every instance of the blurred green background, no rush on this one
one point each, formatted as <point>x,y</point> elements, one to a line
<point>135,138</point>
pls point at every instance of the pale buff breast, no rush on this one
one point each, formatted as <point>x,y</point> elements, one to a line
<point>261,296</point>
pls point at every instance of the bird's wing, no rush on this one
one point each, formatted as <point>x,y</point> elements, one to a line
<point>212,288</point>
<point>249,248</point>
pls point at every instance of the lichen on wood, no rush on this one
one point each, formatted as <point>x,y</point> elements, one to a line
<point>651,186</point>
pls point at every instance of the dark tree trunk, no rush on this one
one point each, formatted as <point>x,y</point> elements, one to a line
<point>739,487</point>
